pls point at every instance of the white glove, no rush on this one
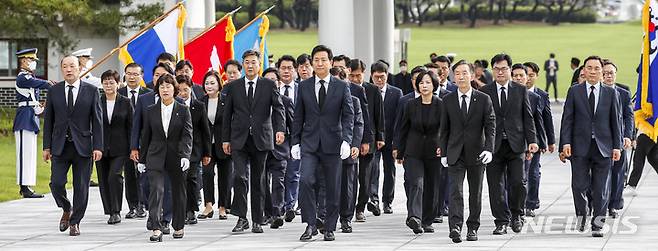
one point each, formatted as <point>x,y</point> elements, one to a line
<point>344,150</point>
<point>141,168</point>
<point>486,157</point>
<point>444,161</point>
<point>184,164</point>
<point>296,152</point>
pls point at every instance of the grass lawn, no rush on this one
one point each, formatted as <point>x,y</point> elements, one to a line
<point>524,42</point>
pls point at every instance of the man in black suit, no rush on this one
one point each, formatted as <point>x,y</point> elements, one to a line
<point>551,67</point>
<point>545,136</point>
<point>200,145</point>
<point>591,136</point>
<point>575,66</point>
<point>403,78</point>
<point>133,183</point>
<point>373,137</point>
<point>445,86</point>
<point>467,140</point>
<point>515,135</point>
<point>390,95</point>
<point>323,126</point>
<point>73,138</point>
<point>350,177</point>
<point>443,64</point>
<point>184,67</point>
<point>253,113</point>
<point>619,167</point>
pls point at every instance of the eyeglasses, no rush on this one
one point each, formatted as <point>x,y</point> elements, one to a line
<point>501,69</point>
<point>379,77</point>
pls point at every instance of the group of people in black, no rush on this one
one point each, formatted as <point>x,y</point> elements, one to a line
<point>312,132</point>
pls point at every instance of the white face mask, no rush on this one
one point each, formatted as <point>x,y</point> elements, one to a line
<point>32,65</point>
<point>89,64</point>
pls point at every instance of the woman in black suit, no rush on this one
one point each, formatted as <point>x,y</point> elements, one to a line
<point>420,153</point>
<point>212,83</point>
<point>117,122</point>
<point>165,149</point>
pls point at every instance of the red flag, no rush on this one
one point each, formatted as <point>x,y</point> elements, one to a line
<point>212,49</point>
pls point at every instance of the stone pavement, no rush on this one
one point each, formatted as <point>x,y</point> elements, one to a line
<point>31,224</point>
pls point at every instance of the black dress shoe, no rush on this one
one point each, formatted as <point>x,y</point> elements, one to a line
<point>155,237</point>
<point>319,224</point>
<point>597,233</point>
<point>277,223</point>
<point>530,212</point>
<point>222,217</point>
<point>178,234</point>
<point>290,215</point>
<point>500,230</point>
<point>165,228</point>
<point>131,214</point>
<point>191,219</point>
<point>373,207</point>
<point>256,228</point>
<point>360,217</point>
<point>28,193</point>
<point>580,225</point>
<point>472,235</point>
<point>114,219</point>
<point>438,219</point>
<point>428,229</point>
<point>613,213</point>
<point>388,209</point>
<point>455,235</point>
<point>517,225</point>
<point>308,233</point>
<point>298,211</point>
<point>414,224</point>
<point>141,213</point>
<point>64,221</point>
<point>329,236</point>
<point>75,230</point>
<point>241,225</point>
<point>345,226</point>
<point>93,183</point>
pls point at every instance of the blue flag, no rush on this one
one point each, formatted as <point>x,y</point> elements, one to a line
<point>253,37</point>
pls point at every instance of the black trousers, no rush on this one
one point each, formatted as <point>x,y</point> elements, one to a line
<point>443,185</point>
<point>365,171</point>
<point>192,187</point>
<point>646,150</point>
<point>616,200</point>
<point>224,181</point>
<point>330,166</point>
<point>420,178</point>
<point>590,175</point>
<point>551,80</point>
<point>132,186</point>
<point>249,166</point>
<point>110,182</point>
<point>474,175</point>
<point>157,178</point>
<point>81,176</point>
<point>506,169</point>
<point>274,186</point>
<point>348,184</point>
<point>388,188</point>
<point>533,176</point>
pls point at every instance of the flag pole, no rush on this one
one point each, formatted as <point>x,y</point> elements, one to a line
<point>255,18</point>
<point>213,25</point>
<point>139,33</point>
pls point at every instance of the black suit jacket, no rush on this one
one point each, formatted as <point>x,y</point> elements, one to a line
<point>85,121</point>
<point>263,118</point>
<point>403,82</point>
<point>547,118</point>
<point>473,134</point>
<point>420,135</point>
<point>627,118</point>
<point>142,90</point>
<point>537,107</point>
<point>155,148</point>
<point>116,136</point>
<point>200,131</point>
<point>391,100</point>
<point>359,92</point>
<point>282,152</point>
<point>357,134</point>
<point>216,126</point>
<point>375,114</point>
<point>517,120</point>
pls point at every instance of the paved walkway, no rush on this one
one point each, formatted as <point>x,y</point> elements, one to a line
<point>30,224</point>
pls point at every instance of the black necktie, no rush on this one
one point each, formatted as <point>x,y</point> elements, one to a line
<point>250,93</point>
<point>286,92</point>
<point>591,99</point>
<point>69,100</point>
<point>503,99</point>
<point>464,109</point>
<point>322,94</point>
<point>133,99</point>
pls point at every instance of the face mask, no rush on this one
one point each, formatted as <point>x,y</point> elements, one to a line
<point>32,65</point>
<point>89,64</point>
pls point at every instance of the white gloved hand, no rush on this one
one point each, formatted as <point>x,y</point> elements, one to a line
<point>296,152</point>
<point>444,161</point>
<point>184,164</point>
<point>344,150</point>
<point>486,157</point>
<point>141,168</point>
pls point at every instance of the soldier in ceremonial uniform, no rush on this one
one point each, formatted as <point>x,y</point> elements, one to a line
<point>85,58</point>
<point>26,122</point>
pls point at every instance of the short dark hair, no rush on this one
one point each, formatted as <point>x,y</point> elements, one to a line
<point>552,55</point>
<point>341,57</point>
<point>134,65</point>
<point>432,55</point>
<point>431,65</point>
<point>575,61</point>
<point>477,63</point>
<point>442,59</point>
<point>183,63</point>
<point>337,72</point>
<point>485,63</point>
<point>403,62</point>
<point>233,62</point>
<point>533,66</point>
<point>250,53</point>
<point>184,79</point>
<point>471,68</point>
<point>321,48</point>
<point>418,69</point>
<point>378,67</point>
<point>213,73</point>
<point>501,57</point>
<point>520,66</point>
<point>593,57</point>
<point>168,79</point>
<point>110,74</point>
<point>434,77</point>
<point>271,69</point>
<point>165,66</point>
<point>286,58</point>
<point>356,64</point>
<point>303,59</point>
<point>384,62</point>
<point>166,56</point>
<point>609,62</point>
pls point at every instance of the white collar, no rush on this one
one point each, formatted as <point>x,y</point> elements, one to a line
<point>246,80</point>
<point>532,89</point>
<point>326,79</point>
<point>384,88</point>
<point>468,93</point>
<point>76,84</point>
<point>596,86</point>
<point>131,89</point>
<point>498,85</point>
<point>163,106</point>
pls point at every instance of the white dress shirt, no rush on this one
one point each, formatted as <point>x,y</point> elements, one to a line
<point>246,85</point>
<point>291,90</point>
<point>468,94</point>
<point>532,89</point>
<point>383,91</point>
<point>110,110</point>
<point>317,86</point>
<point>130,94</point>
<point>597,93</point>
<point>499,88</point>
<point>212,109</point>
<point>76,88</point>
<point>165,111</point>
